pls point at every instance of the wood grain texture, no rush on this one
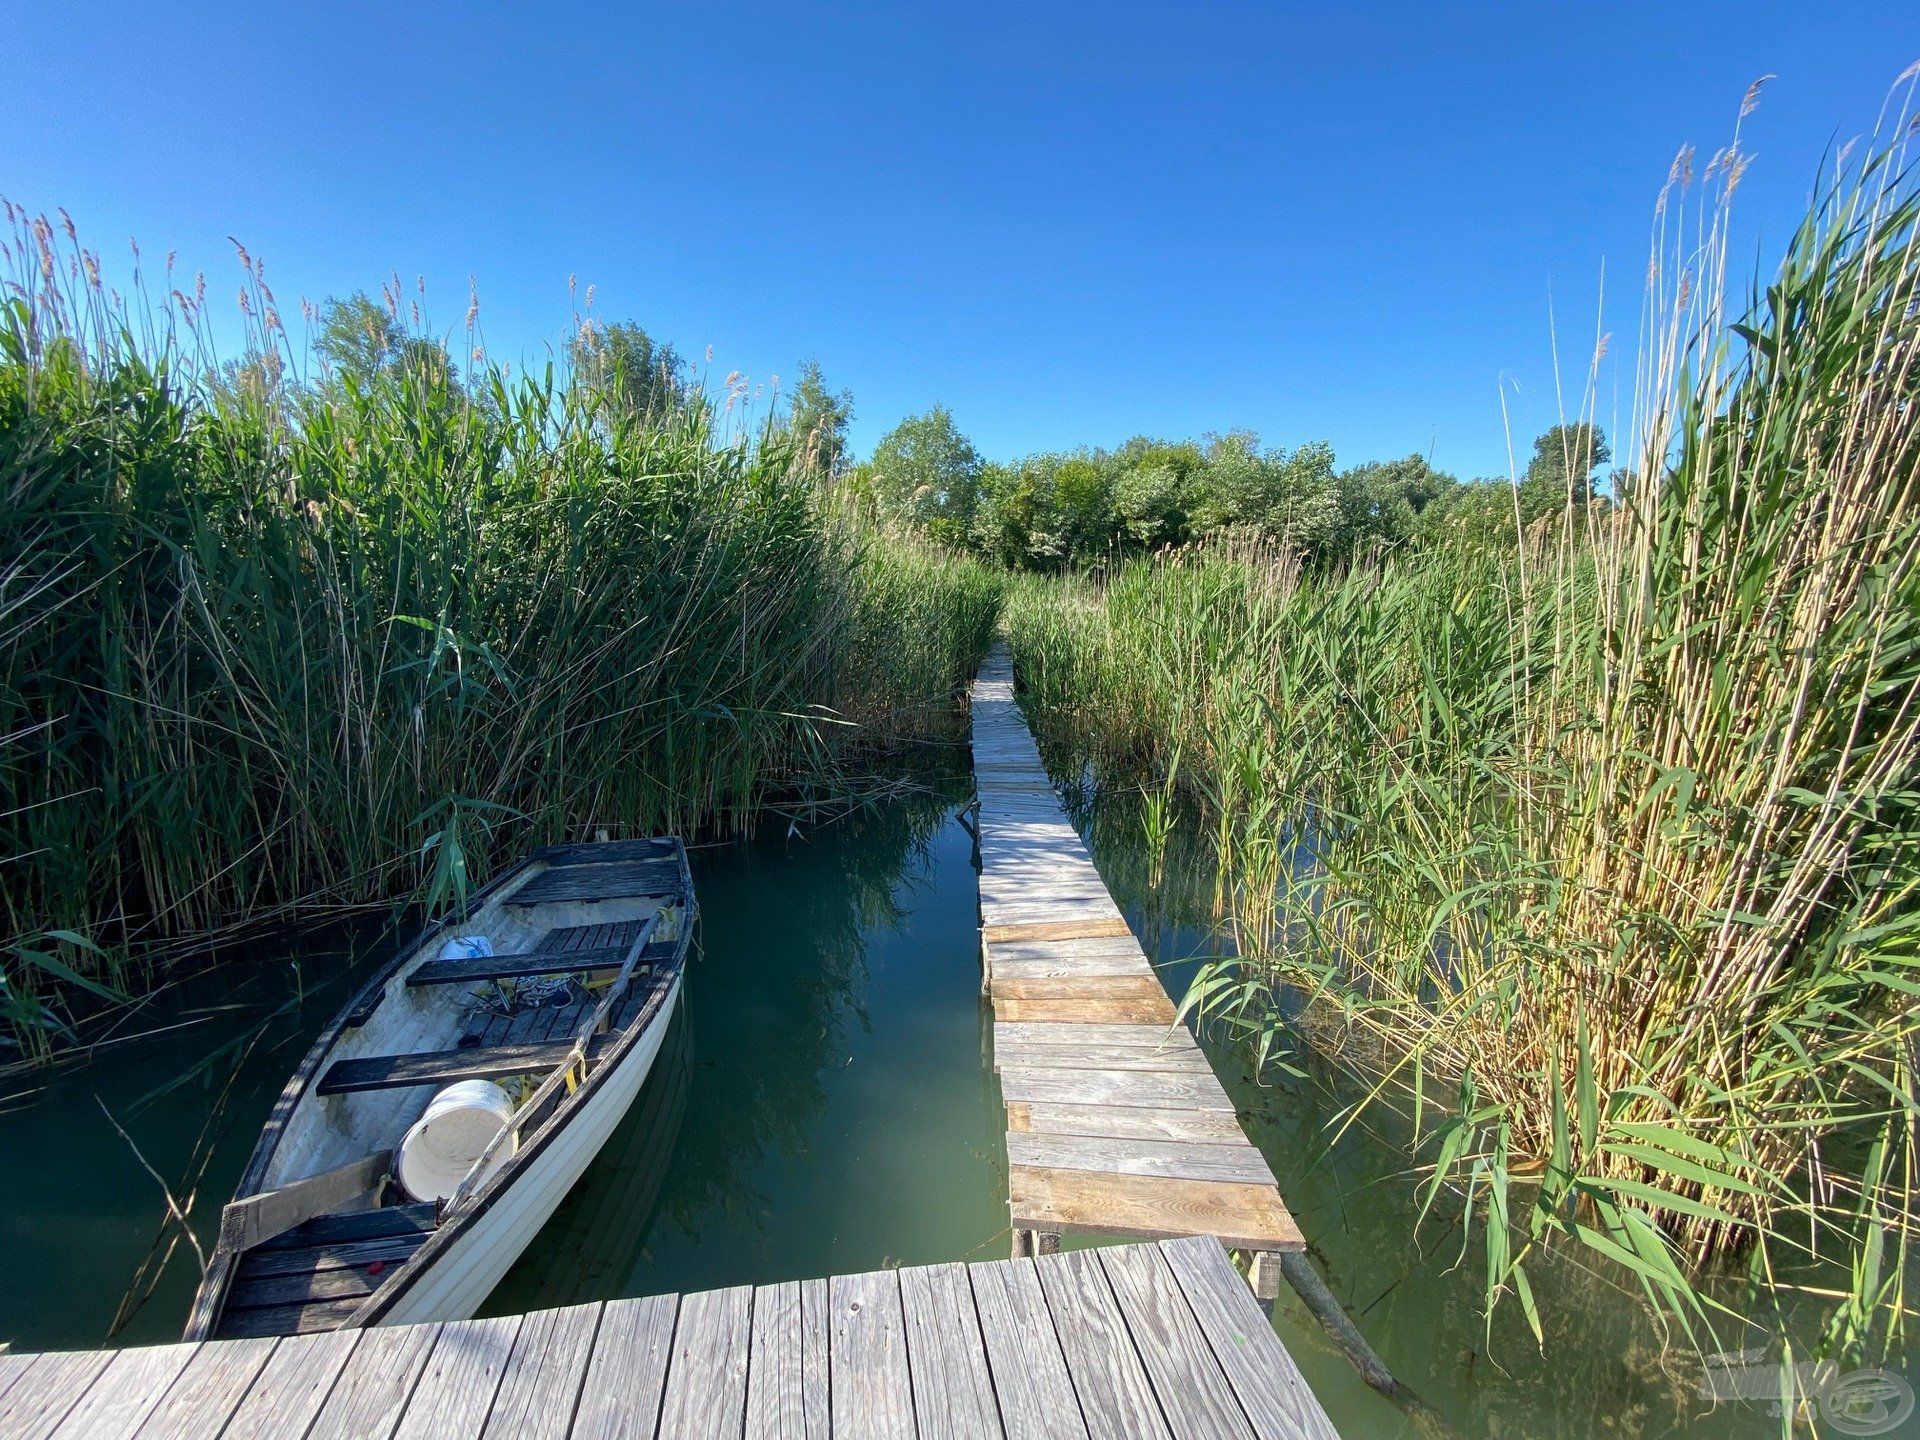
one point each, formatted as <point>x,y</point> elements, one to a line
<point>952,1389</point>
<point>1175,1159</point>
<point>541,1385</point>
<point>1268,1384</point>
<point>1247,1217</point>
<point>1056,930</point>
<point>872,1387</point>
<point>776,1394</point>
<point>1116,1397</point>
<point>370,1396</point>
<point>455,1391</point>
<point>1113,1087</point>
<point>628,1372</point>
<point>208,1390</point>
<point>1194,1394</point>
<point>1031,1385</point>
<point>1080,987</point>
<point>1128,1121</point>
<point>47,1391</point>
<point>706,1396</point>
<point>124,1394</point>
<point>294,1385</point>
<point>1181,1060</point>
<point>1144,1011</point>
<point>816,1362</point>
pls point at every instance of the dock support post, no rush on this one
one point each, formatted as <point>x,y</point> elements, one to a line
<point>1022,1243</point>
<point>1046,1242</point>
<point>1265,1275</point>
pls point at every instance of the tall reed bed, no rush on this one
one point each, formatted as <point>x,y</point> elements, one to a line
<point>268,646</point>
<point>1607,844</point>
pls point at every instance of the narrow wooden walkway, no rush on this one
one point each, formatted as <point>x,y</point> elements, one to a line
<point>1116,1124</point>
<point>1132,1341</point>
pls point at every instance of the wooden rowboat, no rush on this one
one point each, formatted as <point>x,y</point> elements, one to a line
<point>318,1236</point>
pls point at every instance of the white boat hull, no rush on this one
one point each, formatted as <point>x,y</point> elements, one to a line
<point>464,1274</point>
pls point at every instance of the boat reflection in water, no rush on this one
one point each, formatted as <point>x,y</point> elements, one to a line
<point>596,1241</point>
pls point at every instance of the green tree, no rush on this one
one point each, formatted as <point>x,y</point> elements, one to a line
<point>359,338</point>
<point>628,371</point>
<point>1381,503</point>
<point>819,418</point>
<point>926,471</point>
<point>1566,461</point>
<point>1281,495</point>
<point>1154,491</point>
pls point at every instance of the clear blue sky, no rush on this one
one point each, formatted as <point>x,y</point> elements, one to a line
<point>1070,223</point>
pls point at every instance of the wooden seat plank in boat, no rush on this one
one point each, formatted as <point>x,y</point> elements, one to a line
<point>533,964</point>
<point>641,880</point>
<point>443,1067</point>
<point>345,1229</point>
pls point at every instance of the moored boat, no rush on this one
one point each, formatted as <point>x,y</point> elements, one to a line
<point>447,1109</point>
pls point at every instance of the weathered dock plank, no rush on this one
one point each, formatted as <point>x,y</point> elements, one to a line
<point>872,1386</point>
<point>1116,1123</point>
<point>1130,1341</point>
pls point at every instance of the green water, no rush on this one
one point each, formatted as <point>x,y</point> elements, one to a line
<point>824,1105</point>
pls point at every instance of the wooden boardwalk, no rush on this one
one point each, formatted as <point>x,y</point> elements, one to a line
<point>1131,1341</point>
<point>1116,1124</point>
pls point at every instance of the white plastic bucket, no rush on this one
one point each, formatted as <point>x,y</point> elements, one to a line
<point>442,1145</point>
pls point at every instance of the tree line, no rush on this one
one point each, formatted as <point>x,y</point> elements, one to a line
<point>1058,510</point>
<point>1051,511</point>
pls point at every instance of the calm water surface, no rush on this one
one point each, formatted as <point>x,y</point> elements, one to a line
<point>824,1105</point>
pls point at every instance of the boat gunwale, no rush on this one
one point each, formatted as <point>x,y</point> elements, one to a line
<point>216,1285</point>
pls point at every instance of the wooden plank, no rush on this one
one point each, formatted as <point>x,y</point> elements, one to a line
<point>952,1389</point>
<point>1057,930</point>
<point>456,1389</point>
<point>47,1390</point>
<point>1249,1217</point>
<point>1030,1380</point>
<point>208,1390</point>
<point>300,1317</point>
<point>388,1220</point>
<point>1126,1121</point>
<point>371,1394</point>
<point>816,1357</point>
<point>706,1397</point>
<point>608,852</point>
<point>1134,964</point>
<point>532,963</point>
<point>628,1372</point>
<point>872,1388</point>
<point>634,880</point>
<point>541,1385</point>
<point>1116,1398</point>
<point>1132,1036</point>
<point>1087,1012</point>
<point>1175,1159</point>
<point>305,1261</point>
<point>1194,1394</point>
<point>119,1400</point>
<point>1080,987</point>
<point>438,1067</point>
<point>1098,1057</point>
<point>291,1389</point>
<point>245,1223</point>
<point>1133,1087</point>
<point>776,1403</point>
<point>1270,1388</point>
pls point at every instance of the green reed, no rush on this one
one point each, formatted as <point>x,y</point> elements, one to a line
<point>1601,849</point>
<point>274,648</point>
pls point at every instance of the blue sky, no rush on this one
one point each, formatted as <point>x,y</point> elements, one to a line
<point>1071,224</point>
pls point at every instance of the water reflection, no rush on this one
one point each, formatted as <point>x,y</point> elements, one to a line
<point>822,1106</point>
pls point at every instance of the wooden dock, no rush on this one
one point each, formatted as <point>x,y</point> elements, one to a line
<point>1131,1341</point>
<point>1116,1124</point>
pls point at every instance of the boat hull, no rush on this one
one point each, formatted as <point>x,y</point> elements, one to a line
<point>460,1277</point>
